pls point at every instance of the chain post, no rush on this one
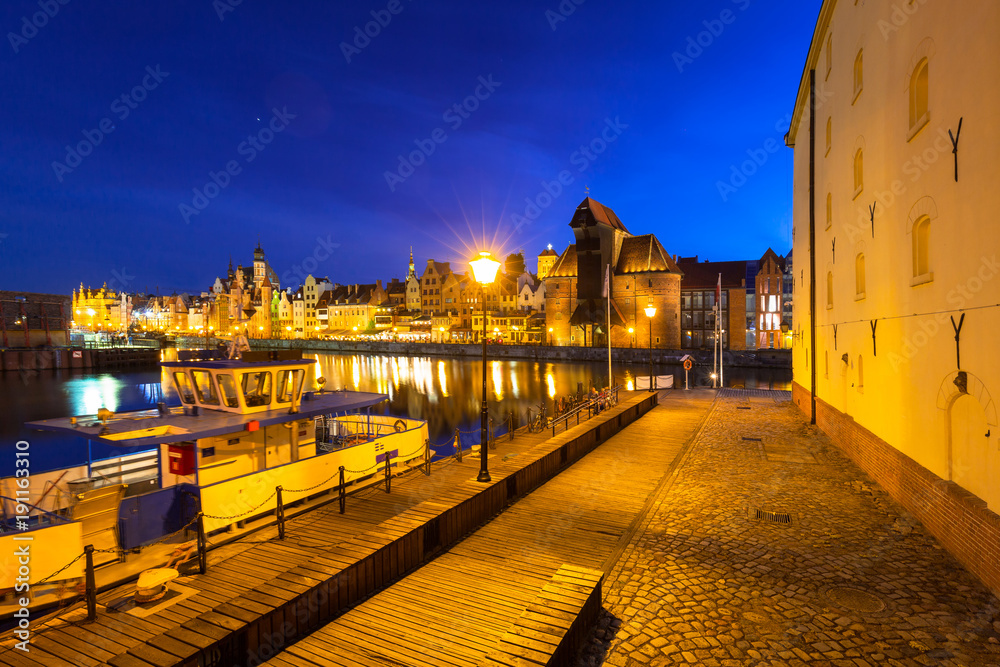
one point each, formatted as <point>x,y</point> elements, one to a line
<point>511,430</point>
<point>281,514</point>
<point>458,444</point>
<point>388,474</point>
<point>490,442</point>
<point>202,545</point>
<point>343,492</point>
<point>427,456</point>
<point>91,590</point>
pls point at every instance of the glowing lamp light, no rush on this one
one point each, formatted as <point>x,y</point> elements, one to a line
<point>650,310</point>
<point>485,268</point>
<point>630,330</point>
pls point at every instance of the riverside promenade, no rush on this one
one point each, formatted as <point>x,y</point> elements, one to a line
<point>767,546</point>
<point>261,592</point>
<point>497,597</point>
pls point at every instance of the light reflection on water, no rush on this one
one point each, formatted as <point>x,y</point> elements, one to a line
<point>444,391</point>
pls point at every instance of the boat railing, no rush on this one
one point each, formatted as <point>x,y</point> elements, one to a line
<point>22,521</point>
<point>338,432</point>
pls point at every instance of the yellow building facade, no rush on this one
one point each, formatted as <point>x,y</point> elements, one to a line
<point>894,132</point>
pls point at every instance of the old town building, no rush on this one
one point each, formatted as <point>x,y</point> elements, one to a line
<point>895,237</point>
<point>641,271</point>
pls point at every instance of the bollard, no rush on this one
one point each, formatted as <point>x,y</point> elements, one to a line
<point>427,457</point>
<point>202,545</point>
<point>343,496</point>
<point>281,514</point>
<point>91,592</point>
<point>458,444</point>
<point>512,427</point>
<point>388,474</point>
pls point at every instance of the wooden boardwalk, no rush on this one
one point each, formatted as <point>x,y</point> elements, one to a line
<point>257,575</point>
<point>466,607</point>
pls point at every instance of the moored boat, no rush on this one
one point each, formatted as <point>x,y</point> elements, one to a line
<point>245,427</point>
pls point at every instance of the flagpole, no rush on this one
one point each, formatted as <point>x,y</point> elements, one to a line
<point>718,318</point>
<point>607,294</point>
<point>715,355</point>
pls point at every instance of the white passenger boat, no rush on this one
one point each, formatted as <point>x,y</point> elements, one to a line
<point>245,427</point>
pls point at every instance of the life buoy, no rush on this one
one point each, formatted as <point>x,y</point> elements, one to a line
<point>688,365</point>
<point>399,425</point>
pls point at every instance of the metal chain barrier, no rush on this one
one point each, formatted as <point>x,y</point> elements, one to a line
<point>237,516</point>
<point>60,570</point>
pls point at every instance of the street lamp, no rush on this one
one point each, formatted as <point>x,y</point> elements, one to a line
<point>485,271</point>
<point>650,312</point>
<point>631,333</point>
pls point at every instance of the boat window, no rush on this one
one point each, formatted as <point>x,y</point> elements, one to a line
<point>205,387</point>
<point>227,386</point>
<point>184,390</point>
<point>289,385</point>
<point>257,388</point>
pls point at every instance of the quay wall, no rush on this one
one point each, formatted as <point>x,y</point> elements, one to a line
<point>77,358</point>
<point>251,628</point>
<point>958,519</point>
<point>636,355</point>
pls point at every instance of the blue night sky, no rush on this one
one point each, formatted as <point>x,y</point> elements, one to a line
<point>437,133</point>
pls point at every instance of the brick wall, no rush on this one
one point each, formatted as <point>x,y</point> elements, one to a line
<point>800,396</point>
<point>957,518</point>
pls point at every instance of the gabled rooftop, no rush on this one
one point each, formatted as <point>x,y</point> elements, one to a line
<point>640,254</point>
<point>591,212</point>
<point>565,266</point>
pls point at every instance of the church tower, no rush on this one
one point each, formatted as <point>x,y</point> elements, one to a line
<point>259,266</point>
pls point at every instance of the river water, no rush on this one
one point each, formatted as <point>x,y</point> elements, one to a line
<point>444,391</point>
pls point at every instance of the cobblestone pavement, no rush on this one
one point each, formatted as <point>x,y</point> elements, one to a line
<point>850,579</point>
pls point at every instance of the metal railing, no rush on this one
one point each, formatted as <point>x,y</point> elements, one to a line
<point>592,406</point>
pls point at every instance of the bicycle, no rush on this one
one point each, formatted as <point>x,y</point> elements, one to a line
<point>539,422</point>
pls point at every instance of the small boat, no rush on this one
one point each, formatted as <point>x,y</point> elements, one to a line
<point>245,427</point>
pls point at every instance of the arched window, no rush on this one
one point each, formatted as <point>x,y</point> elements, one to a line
<point>829,210</point>
<point>859,275</point>
<point>918,95</point>
<point>829,289</point>
<point>921,246</point>
<point>829,134</point>
<point>859,74</point>
<point>859,172</point>
<point>861,373</point>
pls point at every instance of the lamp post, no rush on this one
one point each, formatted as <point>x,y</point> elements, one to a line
<point>485,271</point>
<point>631,333</point>
<point>650,312</point>
<point>550,336</point>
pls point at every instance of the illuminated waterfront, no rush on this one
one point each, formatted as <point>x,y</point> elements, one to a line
<point>443,391</point>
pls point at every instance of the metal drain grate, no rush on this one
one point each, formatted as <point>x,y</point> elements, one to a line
<point>749,439</point>
<point>780,518</point>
